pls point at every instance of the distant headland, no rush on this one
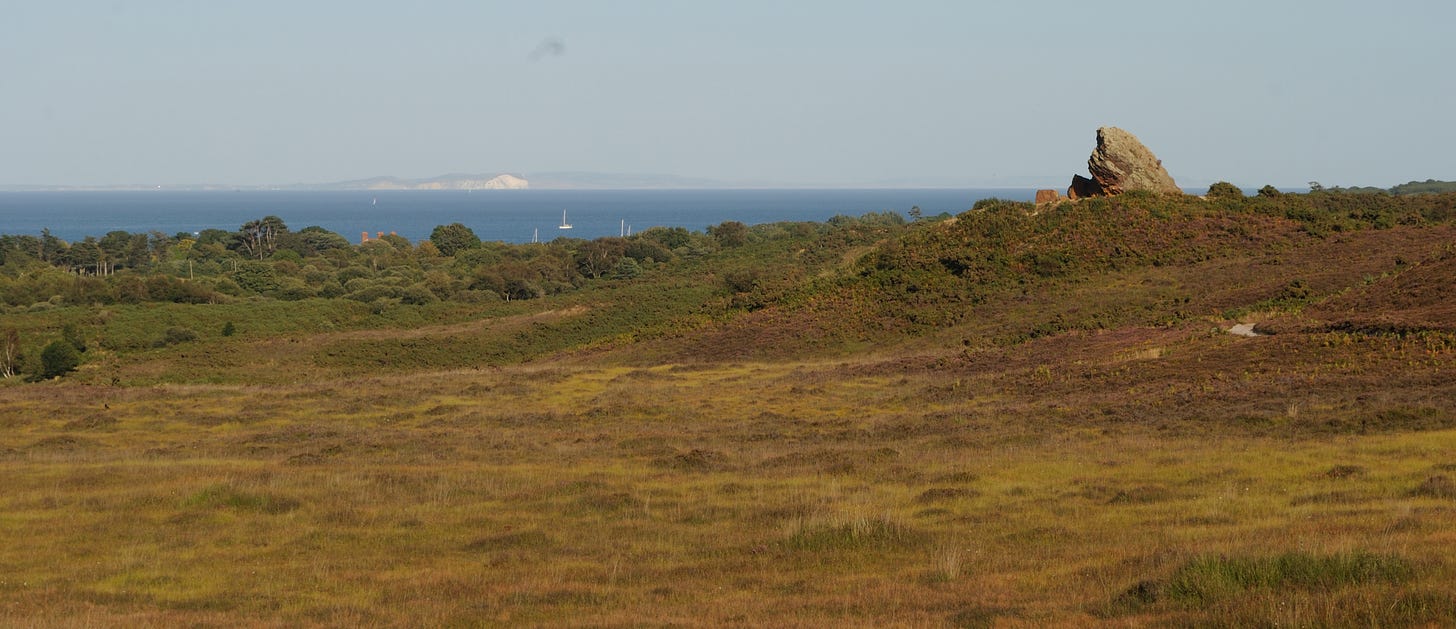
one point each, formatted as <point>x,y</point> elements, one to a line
<point>560,180</point>
<point>563,180</point>
<point>443,182</point>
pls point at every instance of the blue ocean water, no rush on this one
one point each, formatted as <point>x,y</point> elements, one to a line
<point>501,215</point>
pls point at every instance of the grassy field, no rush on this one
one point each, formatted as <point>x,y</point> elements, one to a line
<point>869,492</point>
<point>1092,451</point>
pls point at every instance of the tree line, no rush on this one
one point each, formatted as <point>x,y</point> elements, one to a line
<point>266,258</point>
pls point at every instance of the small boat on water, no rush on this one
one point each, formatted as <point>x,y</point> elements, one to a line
<point>564,224</point>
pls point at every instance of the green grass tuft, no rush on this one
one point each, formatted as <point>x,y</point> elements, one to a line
<point>859,533</point>
<point>1207,579</point>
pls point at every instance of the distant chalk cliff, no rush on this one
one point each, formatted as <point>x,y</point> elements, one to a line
<point>445,182</point>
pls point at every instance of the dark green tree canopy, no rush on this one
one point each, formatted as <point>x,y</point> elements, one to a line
<point>729,233</point>
<point>312,240</point>
<point>670,237</point>
<point>453,237</point>
<point>57,359</point>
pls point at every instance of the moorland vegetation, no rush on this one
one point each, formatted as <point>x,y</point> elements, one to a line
<point>1016,416</point>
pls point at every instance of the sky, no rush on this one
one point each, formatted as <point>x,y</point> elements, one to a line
<point>780,92</point>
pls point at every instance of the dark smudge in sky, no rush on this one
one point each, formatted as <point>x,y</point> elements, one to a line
<point>549,47</point>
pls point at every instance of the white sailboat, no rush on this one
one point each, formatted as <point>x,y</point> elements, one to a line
<point>564,224</point>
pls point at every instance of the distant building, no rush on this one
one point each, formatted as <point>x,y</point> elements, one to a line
<point>364,236</point>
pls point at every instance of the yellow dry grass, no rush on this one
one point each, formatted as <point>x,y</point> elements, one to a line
<point>891,491</point>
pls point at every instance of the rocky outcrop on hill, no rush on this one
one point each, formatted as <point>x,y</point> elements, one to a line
<point>1119,164</point>
<point>1044,197</point>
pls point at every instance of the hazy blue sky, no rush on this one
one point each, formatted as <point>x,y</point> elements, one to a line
<point>832,92</point>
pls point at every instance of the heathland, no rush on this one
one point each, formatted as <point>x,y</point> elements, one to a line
<point>1017,416</point>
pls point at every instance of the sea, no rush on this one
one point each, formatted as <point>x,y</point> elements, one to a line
<point>514,216</point>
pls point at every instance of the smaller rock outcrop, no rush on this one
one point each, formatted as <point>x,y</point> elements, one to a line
<point>1044,197</point>
<point>1083,187</point>
<point>1121,163</point>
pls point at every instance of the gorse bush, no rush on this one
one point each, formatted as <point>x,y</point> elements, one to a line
<point>1224,190</point>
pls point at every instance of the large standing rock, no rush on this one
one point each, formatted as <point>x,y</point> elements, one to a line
<point>1119,164</point>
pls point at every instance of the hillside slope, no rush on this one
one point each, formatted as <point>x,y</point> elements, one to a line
<point>1007,272</point>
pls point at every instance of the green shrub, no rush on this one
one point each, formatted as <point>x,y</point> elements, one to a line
<point>293,289</point>
<point>57,359</point>
<point>642,250</point>
<point>626,269</point>
<point>227,286</point>
<point>351,273</point>
<point>176,335</point>
<point>417,295</point>
<point>1296,290</point>
<point>287,255</point>
<point>331,290</point>
<point>741,280</point>
<point>368,292</point>
<point>71,334</point>
<point>472,296</point>
<point>382,305</point>
<point>258,277</point>
<point>1224,190</point>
